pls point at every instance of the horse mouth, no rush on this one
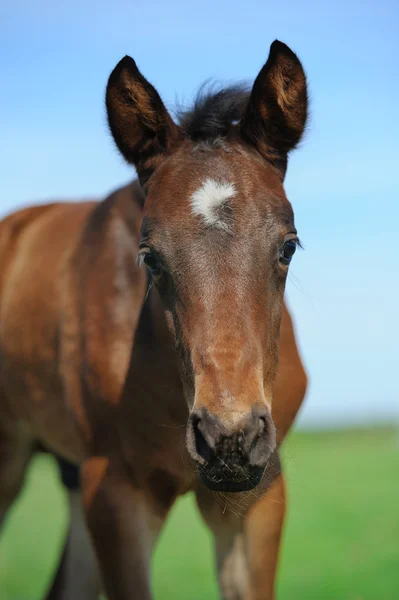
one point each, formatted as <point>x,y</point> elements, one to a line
<point>243,481</point>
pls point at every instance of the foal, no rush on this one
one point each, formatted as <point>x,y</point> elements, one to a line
<point>120,322</point>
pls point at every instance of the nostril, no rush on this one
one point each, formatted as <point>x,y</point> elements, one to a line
<point>264,440</point>
<point>258,432</point>
<point>201,445</point>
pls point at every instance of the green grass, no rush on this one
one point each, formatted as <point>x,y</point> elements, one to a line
<point>341,540</point>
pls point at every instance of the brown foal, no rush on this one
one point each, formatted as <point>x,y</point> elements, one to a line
<point>145,337</point>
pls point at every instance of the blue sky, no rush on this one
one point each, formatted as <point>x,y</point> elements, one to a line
<point>342,182</point>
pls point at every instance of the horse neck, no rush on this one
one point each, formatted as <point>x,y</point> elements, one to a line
<point>154,355</point>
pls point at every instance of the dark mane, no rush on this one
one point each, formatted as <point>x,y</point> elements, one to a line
<point>214,112</point>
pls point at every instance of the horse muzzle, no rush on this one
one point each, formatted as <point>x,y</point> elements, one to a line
<point>231,459</point>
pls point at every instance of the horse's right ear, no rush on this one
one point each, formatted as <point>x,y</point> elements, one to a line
<point>140,124</point>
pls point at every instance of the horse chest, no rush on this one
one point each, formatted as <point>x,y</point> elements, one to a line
<point>153,443</point>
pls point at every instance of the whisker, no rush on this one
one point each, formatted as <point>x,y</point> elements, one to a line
<point>148,290</point>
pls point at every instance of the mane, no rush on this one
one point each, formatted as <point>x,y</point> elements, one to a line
<point>214,112</point>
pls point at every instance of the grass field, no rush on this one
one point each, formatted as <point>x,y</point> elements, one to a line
<point>341,540</point>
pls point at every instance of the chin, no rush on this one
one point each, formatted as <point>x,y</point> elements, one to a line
<point>218,482</point>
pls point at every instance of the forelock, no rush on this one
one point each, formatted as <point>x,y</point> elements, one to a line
<point>215,113</point>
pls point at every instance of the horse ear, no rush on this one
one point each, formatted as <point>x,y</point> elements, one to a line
<point>140,124</point>
<point>275,117</point>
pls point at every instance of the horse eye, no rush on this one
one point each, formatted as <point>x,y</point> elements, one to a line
<point>288,252</point>
<point>151,263</point>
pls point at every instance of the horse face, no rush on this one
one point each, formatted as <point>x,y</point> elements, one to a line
<point>217,237</point>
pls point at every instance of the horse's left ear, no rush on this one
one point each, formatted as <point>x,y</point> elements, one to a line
<point>275,117</point>
<point>140,124</point>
